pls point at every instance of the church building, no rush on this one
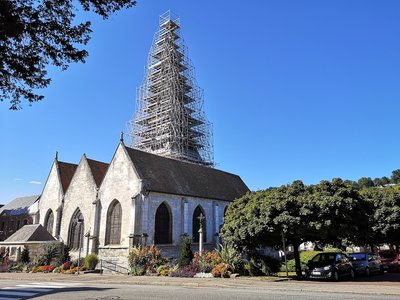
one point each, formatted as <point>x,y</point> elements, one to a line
<point>139,198</point>
<point>160,184</point>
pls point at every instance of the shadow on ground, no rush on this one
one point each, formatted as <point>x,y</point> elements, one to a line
<point>71,289</point>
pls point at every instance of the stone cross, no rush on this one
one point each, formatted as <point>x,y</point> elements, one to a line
<point>201,218</point>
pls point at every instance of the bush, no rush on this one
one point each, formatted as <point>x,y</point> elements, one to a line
<point>64,254</point>
<point>19,267</point>
<point>48,268</point>
<point>91,261</point>
<point>186,271</point>
<point>66,265</point>
<point>259,265</point>
<point>221,270</point>
<point>163,270</point>
<point>146,258</point>
<point>75,262</point>
<point>305,257</point>
<point>48,253</point>
<point>230,256</point>
<point>25,255</point>
<point>37,269</point>
<point>185,252</point>
<point>207,260</point>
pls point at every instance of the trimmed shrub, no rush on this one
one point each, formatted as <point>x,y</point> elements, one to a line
<point>185,252</point>
<point>25,255</point>
<point>91,261</point>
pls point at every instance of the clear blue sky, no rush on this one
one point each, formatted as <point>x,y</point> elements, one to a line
<point>304,90</point>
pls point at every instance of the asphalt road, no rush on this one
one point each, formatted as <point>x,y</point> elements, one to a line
<point>127,292</point>
<point>48,286</point>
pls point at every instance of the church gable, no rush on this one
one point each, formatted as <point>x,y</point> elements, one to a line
<point>52,195</point>
<point>120,185</point>
<point>81,194</point>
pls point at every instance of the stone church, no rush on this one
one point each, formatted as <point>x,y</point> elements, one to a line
<point>158,183</point>
<point>139,198</point>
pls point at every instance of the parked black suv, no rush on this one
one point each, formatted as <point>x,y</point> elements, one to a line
<point>329,265</point>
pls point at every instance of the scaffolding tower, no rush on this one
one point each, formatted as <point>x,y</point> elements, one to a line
<point>169,119</point>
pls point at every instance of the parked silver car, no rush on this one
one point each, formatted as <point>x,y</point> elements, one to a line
<point>366,263</point>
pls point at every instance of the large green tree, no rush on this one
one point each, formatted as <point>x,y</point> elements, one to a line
<point>384,214</point>
<point>330,212</point>
<point>342,213</point>
<point>36,33</point>
<point>260,218</point>
<point>395,178</point>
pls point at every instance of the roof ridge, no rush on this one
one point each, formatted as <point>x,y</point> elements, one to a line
<point>97,161</point>
<point>67,163</point>
<point>182,162</point>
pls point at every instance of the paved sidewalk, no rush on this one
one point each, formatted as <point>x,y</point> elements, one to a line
<point>381,287</point>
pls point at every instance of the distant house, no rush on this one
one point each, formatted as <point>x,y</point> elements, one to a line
<point>19,212</point>
<point>32,236</point>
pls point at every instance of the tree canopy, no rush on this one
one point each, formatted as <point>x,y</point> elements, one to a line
<point>36,33</point>
<point>331,212</point>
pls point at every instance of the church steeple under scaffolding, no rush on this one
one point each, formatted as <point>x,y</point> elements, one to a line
<point>169,119</point>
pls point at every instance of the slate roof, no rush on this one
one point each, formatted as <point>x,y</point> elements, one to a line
<point>19,206</point>
<point>30,233</point>
<point>98,169</point>
<point>67,171</point>
<point>165,175</point>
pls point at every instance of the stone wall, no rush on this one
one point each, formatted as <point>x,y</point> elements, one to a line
<point>80,195</point>
<point>51,197</point>
<point>213,209</point>
<point>115,255</point>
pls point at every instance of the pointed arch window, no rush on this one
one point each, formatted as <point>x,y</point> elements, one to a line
<point>49,221</point>
<point>76,227</point>
<point>196,224</point>
<point>113,228</point>
<point>163,225</point>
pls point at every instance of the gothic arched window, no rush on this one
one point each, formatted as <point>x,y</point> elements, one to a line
<point>196,224</point>
<point>163,225</point>
<point>49,221</point>
<point>75,236</point>
<point>113,229</point>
